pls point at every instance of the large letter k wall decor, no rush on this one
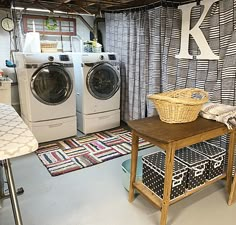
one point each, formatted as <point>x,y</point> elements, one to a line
<point>206,52</point>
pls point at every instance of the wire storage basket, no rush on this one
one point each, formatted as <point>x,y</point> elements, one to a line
<point>179,106</point>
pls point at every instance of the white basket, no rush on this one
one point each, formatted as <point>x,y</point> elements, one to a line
<point>126,172</point>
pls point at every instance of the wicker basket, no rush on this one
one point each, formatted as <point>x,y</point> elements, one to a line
<point>180,106</point>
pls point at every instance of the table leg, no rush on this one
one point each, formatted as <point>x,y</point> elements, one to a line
<point>169,162</point>
<point>230,161</point>
<point>134,158</point>
<point>12,192</point>
<point>232,196</point>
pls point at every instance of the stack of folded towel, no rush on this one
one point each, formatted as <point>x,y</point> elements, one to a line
<point>220,112</point>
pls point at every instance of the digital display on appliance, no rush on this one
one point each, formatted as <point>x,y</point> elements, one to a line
<point>64,58</point>
<point>111,57</point>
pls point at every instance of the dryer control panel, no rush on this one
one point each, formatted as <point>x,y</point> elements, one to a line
<point>98,57</point>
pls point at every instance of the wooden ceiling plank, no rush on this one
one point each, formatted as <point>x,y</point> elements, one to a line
<point>92,6</point>
<point>72,9</point>
<point>99,2</point>
<point>37,2</point>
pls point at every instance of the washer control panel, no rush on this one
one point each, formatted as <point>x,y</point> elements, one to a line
<point>64,58</point>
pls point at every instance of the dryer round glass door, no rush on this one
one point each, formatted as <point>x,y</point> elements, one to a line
<point>103,81</point>
<point>51,84</point>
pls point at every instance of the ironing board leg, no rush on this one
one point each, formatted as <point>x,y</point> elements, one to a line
<point>12,192</point>
<point>1,184</point>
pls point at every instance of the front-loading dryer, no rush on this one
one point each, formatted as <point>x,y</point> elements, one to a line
<point>47,94</point>
<point>97,91</point>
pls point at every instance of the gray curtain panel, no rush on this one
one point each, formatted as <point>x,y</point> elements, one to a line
<point>147,42</point>
<point>126,35</point>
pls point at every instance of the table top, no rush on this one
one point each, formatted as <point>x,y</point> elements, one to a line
<point>15,137</point>
<point>154,128</point>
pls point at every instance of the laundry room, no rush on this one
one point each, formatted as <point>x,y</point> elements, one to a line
<point>117,112</point>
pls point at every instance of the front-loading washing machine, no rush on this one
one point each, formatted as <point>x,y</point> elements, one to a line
<point>47,94</point>
<point>97,79</point>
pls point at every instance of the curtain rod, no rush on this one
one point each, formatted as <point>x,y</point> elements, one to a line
<point>152,5</point>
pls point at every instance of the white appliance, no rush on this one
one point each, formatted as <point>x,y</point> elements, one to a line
<point>47,94</point>
<point>97,79</point>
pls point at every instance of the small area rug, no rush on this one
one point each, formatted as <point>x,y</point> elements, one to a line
<point>60,157</point>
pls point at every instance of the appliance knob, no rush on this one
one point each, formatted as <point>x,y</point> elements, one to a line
<point>50,58</point>
<point>101,57</point>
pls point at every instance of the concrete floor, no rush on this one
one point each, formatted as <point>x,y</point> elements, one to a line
<point>96,196</point>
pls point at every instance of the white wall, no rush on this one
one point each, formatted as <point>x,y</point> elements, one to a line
<point>82,32</point>
<point>5,54</point>
<point>4,41</point>
<point>64,42</point>
<point>82,29</point>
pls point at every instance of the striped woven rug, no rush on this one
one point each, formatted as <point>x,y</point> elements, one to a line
<point>72,154</point>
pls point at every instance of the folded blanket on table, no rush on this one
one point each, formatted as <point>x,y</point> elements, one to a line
<point>220,112</point>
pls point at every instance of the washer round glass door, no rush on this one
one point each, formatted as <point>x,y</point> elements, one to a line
<point>51,84</point>
<point>103,81</point>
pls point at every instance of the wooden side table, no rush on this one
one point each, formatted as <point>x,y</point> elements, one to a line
<point>171,137</point>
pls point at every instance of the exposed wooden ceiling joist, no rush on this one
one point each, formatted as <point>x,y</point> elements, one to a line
<point>87,6</point>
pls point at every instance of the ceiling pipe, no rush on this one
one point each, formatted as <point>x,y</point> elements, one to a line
<point>95,26</point>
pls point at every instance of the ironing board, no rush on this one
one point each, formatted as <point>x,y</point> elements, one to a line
<point>15,140</point>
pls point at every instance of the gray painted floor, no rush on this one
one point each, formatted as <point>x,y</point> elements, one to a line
<point>96,196</point>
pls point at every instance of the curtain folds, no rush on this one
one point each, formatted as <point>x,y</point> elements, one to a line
<point>147,42</point>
